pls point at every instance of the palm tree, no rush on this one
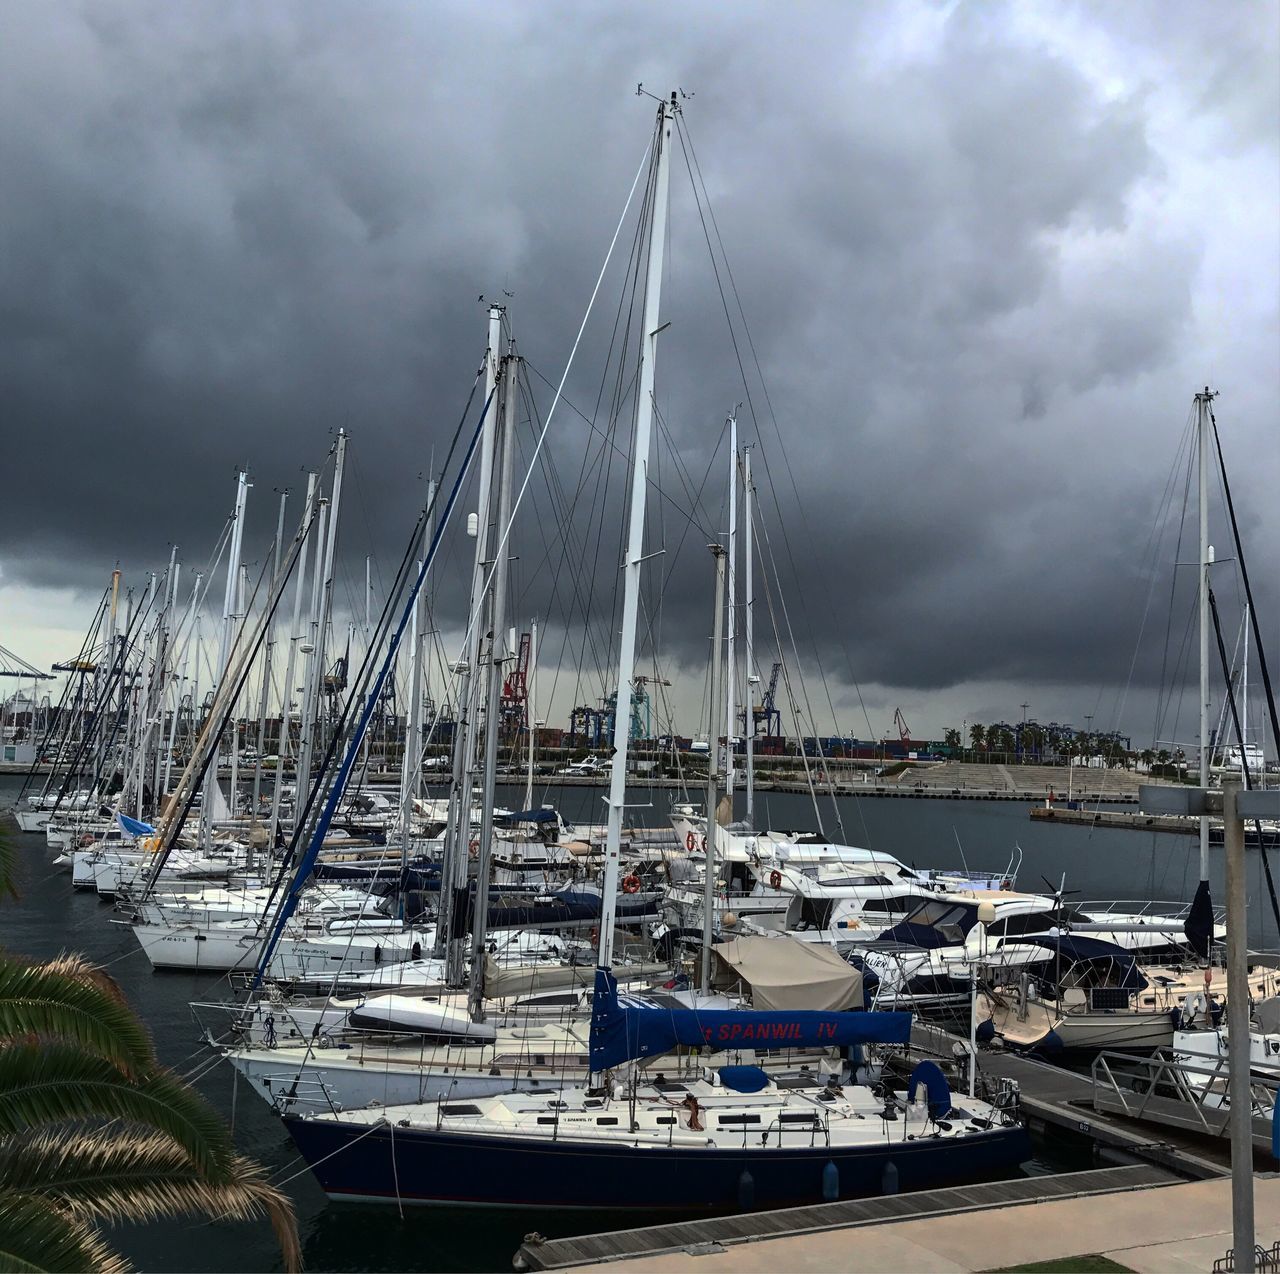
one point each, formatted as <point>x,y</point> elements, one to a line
<point>94,1131</point>
<point>978,736</point>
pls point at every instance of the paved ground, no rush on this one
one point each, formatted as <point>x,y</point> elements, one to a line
<point>1159,1231</point>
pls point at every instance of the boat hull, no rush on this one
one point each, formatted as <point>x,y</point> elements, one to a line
<point>355,1161</point>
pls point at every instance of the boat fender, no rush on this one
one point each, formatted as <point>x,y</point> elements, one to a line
<point>889,1178</point>
<point>830,1182</point>
<point>775,879</point>
<point>746,1192</point>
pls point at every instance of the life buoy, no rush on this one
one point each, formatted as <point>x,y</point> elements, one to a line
<point>775,879</point>
<point>1006,885</point>
<point>86,840</point>
<point>689,840</point>
<point>631,884</point>
<point>473,849</point>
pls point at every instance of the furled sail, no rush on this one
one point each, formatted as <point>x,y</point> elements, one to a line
<point>623,1028</point>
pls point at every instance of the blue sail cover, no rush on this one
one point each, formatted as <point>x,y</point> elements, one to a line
<point>132,827</point>
<point>1198,925</point>
<point>622,1029</point>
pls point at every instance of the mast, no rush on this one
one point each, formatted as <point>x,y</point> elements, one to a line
<point>412,740</point>
<point>1206,560</point>
<point>493,697</point>
<point>224,650</point>
<point>749,716</point>
<point>531,712</point>
<point>286,690</point>
<point>732,604</point>
<point>635,528</point>
<point>453,876</point>
<point>254,820</point>
<point>713,767</point>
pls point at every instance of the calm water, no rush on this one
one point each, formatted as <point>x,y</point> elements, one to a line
<point>51,917</point>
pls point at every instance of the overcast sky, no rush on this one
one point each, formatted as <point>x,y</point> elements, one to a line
<point>986,253</point>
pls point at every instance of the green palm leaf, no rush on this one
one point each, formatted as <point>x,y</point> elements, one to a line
<point>8,864</point>
<point>113,1175</point>
<point>71,1000</point>
<point>35,1235</point>
<point>46,1083</point>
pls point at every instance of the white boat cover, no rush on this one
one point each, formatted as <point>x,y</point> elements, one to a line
<point>785,974</point>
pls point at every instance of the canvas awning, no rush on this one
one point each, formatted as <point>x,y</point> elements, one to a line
<point>785,974</point>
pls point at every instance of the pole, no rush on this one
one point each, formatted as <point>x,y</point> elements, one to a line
<point>504,456</point>
<point>635,530</point>
<point>713,776</point>
<point>748,609</point>
<point>454,869</point>
<point>1238,1059</point>
<point>531,712</point>
<point>732,618</point>
<point>1206,556</point>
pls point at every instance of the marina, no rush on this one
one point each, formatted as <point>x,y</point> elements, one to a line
<point>459,802</point>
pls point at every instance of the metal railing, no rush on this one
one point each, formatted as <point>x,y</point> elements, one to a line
<point>1265,1259</point>
<point>1143,1087</point>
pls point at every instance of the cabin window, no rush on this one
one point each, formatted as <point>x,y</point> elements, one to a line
<point>798,1119</point>
<point>459,1110</point>
<point>546,1119</point>
<point>727,1120</point>
<point>606,1119</point>
<point>665,1119</point>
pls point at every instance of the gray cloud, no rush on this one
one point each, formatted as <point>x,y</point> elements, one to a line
<point>980,273</point>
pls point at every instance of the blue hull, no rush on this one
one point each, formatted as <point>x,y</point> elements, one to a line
<point>452,1168</point>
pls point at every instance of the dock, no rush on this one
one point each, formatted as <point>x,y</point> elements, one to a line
<point>1185,1227</point>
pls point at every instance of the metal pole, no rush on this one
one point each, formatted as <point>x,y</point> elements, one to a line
<point>1206,557</point>
<point>531,712</point>
<point>634,560</point>
<point>713,776</point>
<point>1238,1030</point>
<point>732,618</point>
<point>748,609</point>
<point>504,456</point>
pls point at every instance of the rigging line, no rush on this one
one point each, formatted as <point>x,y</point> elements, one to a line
<point>302,818</point>
<point>1161,711</point>
<point>288,902</point>
<point>686,141</point>
<point>1244,760</point>
<point>1248,589</point>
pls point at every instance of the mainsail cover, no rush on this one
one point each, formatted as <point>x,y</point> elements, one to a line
<point>1198,925</point>
<point>623,1028</point>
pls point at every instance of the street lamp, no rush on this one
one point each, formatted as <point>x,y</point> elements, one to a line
<point>1235,806</point>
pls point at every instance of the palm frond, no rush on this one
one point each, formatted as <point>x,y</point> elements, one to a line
<point>114,1175</point>
<point>49,1083</point>
<point>38,1237</point>
<point>69,999</point>
<point>8,863</point>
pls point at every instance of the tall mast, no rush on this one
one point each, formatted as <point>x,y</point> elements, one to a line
<point>453,876</point>
<point>1206,560</point>
<point>713,767</point>
<point>732,604</point>
<point>635,528</point>
<point>255,821</point>
<point>505,453</point>
<point>748,601</point>
<point>531,712</point>
<point>284,741</point>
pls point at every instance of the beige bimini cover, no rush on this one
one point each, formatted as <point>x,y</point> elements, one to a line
<point>785,974</point>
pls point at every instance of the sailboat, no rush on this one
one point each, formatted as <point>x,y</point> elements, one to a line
<point>713,1138</point>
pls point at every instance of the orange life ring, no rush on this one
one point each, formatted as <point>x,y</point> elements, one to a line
<point>689,840</point>
<point>86,840</point>
<point>473,849</point>
<point>775,879</point>
<point>631,884</point>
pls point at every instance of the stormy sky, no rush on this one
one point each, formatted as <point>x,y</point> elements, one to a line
<point>986,253</point>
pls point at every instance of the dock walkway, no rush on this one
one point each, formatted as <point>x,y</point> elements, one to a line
<point>1183,1227</point>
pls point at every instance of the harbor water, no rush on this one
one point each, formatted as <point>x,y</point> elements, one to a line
<point>50,917</point>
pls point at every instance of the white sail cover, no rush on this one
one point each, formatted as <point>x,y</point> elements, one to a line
<point>785,974</point>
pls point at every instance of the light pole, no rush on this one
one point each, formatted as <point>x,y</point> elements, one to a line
<point>1235,807</point>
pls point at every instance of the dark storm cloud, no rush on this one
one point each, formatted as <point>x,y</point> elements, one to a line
<point>969,272</point>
